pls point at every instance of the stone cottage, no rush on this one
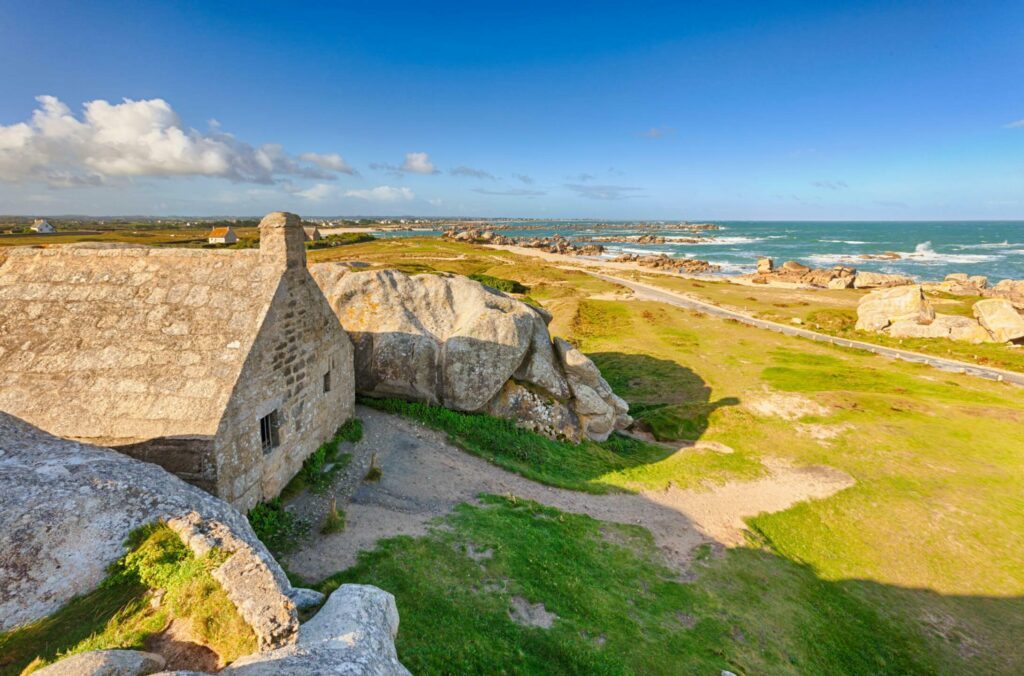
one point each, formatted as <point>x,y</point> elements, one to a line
<point>228,368</point>
<point>222,236</point>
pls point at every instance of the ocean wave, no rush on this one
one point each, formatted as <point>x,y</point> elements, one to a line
<point>733,268</point>
<point>708,241</point>
<point>924,254</point>
<point>843,241</point>
<point>1005,244</point>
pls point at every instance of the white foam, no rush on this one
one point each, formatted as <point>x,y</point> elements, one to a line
<point>706,241</point>
<point>924,254</point>
<point>843,241</point>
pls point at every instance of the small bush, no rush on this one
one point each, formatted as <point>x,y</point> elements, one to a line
<point>335,521</point>
<point>504,285</point>
<point>276,527</point>
<point>374,473</point>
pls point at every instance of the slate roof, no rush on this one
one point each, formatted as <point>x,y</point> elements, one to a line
<point>105,343</point>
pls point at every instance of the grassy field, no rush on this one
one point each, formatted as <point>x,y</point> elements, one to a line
<point>914,569</point>
<point>834,311</point>
<point>119,614</point>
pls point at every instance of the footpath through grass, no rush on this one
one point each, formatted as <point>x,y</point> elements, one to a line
<point>119,614</point>
<point>616,608</point>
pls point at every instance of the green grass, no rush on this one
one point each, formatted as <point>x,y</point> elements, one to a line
<point>276,527</point>
<point>618,609</point>
<point>505,285</point>
<point>118,614</point>
<point>321,468</point>
<point>334,522</point>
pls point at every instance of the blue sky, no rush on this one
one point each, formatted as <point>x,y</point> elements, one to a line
<point>865,110</point>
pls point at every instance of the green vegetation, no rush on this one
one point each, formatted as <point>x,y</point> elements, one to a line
<point>342,239</point>
<point>121,613</point>
<point>276,527</point>
<point>506,285</point>
<point>618,610</point>
<point>916,568</point>
<point>334,522</point>
<point>321,468</point>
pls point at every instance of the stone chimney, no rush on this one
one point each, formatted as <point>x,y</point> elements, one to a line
<point>282,240</point>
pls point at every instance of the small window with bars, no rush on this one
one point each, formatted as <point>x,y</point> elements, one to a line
<point>327,382</point>
<point>268,432</point>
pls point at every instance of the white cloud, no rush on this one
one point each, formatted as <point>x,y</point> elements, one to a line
<point>318,192</point>
<point>332,162</point>
<point>1018,124</point>
<point>418,163</point>
<point>472,172</point>
<point>139,138</point>
<point>383,193</point>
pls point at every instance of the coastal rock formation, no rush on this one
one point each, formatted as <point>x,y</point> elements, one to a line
<point>883,307</point>
<point>876,280</point>
<point>1000,318</point>
<point>951,327</point>
<point>448,340</point>
<point>959,284</point>
<point>666,262</point>
<point>354,633</point>
<point>792,272</point>
<point>66,509</point>
<point>1010,289</point>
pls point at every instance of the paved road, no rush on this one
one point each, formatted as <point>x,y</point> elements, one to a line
<point>951,365</point>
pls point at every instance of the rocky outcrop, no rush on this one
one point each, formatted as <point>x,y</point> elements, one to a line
<point>792,272</point>
<point>106,663</point>
<point>883,307</point>
<point>1010,289</point>
<point>354,633</point>
<point>943,326</point>
<point>448,340</point>
<point>1000,318</point>
<point>959,284</point>
<point>876,280</point>
<point>666,262</point>
<point>66,509</point>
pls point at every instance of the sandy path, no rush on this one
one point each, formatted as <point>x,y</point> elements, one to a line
<point>423,477</point>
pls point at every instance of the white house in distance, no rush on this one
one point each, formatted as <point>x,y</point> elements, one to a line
<point>222,236</point>
<point>43,227</point>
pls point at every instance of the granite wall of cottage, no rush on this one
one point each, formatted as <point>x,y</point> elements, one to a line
<point>299,343</point>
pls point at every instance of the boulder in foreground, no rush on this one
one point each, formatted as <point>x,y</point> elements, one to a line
<point>448,340</point>
<point>1000,318</point>
<point>66,509</point>
<point>883,307</point>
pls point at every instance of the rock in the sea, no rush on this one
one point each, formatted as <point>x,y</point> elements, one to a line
<point>66,509</point>
<point>354,633</point>
<point>448,340</point>
<point>794,267</point>
<point>765,266</point>
<point>883,307</point>
<point>874,280</point>
<point>943,326</point>
<point>106,663</point>
<point>1000,318</point>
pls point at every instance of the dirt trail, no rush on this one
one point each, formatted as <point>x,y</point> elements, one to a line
<point>424,477</point>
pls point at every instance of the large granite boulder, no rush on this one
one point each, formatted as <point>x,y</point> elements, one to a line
<point>354,633</point>
<point>106,663</point>
<point>66,509</point>
<point>883,307</point>
<point>448,340</point>
<point>1010,289</point>
<point>952,327</point>
<point>877,280</point>
<point>1000,318</point>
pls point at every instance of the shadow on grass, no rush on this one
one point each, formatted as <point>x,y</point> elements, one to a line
<point>670,401</point>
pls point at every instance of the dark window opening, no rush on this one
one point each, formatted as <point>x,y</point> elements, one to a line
<point>268,432</point>
<point>327,382</point>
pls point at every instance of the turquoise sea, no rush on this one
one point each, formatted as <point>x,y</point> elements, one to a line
<point>928,250</point>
